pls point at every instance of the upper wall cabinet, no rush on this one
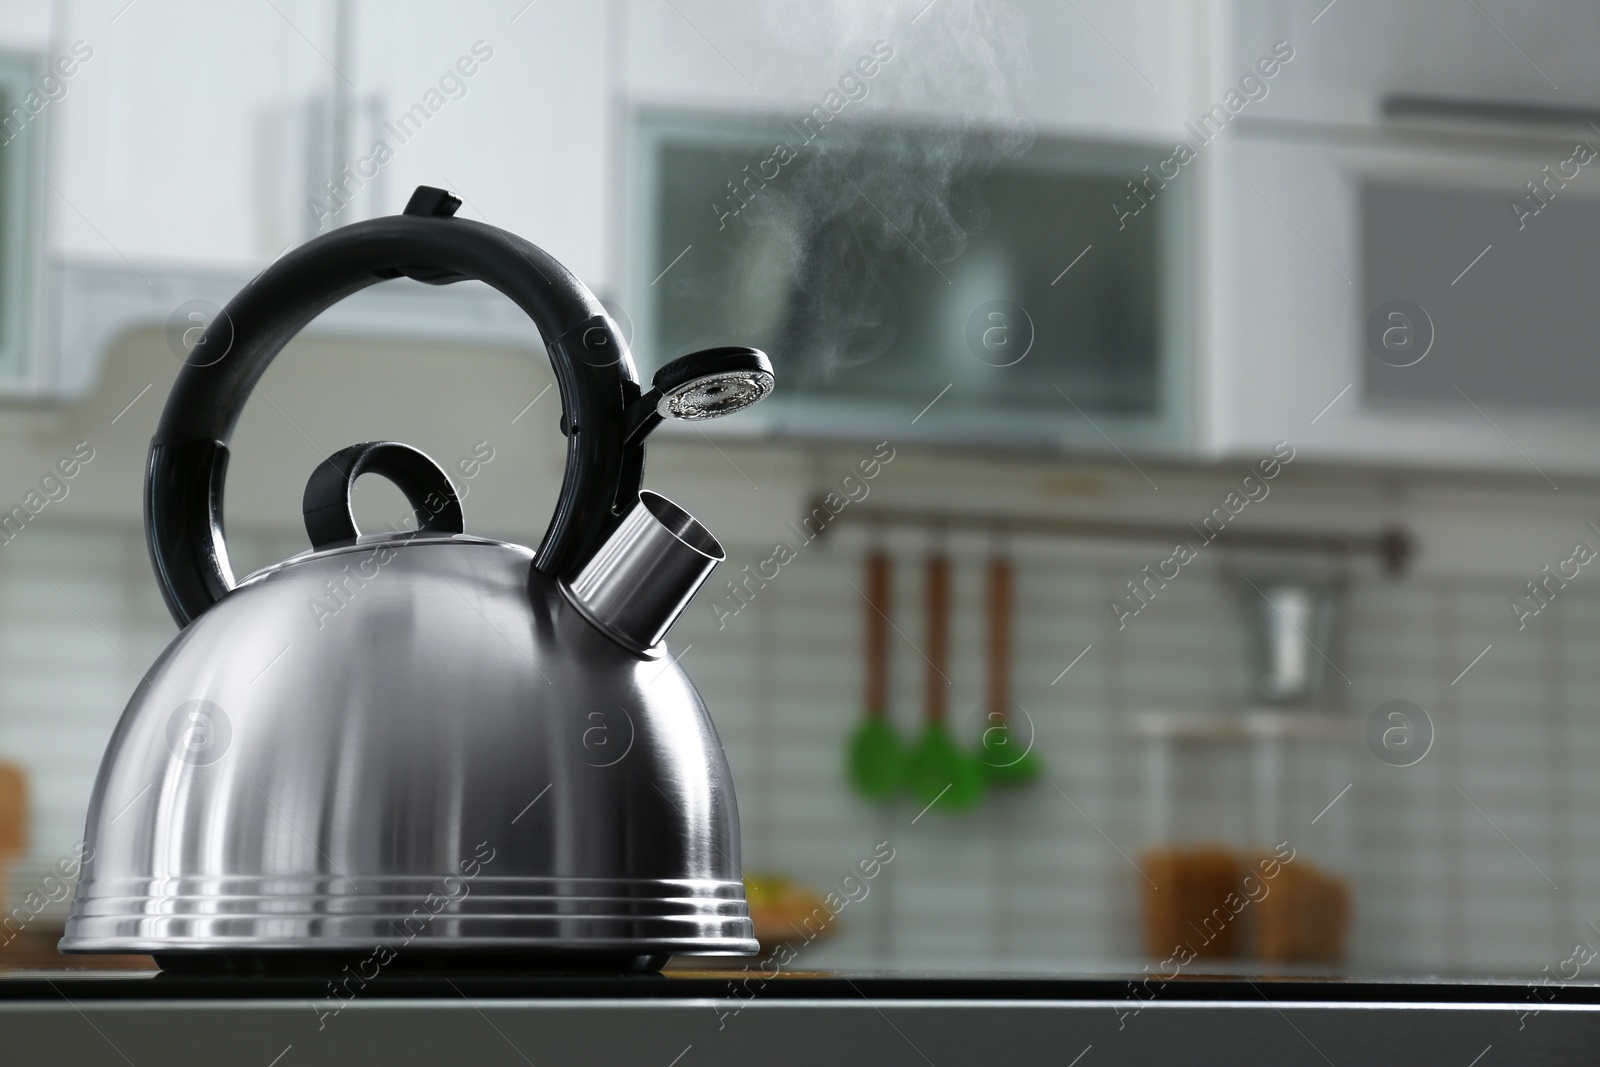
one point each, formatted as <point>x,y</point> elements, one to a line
<point>194,147</point>
<point>154,149</point>
<point>903,292</point>
<point>1401,253</point>
<point>918,216</point>
<point>1394,300</point>
<point>1353,55</point>
<point>221,140</point>
<point>1117,69</point>
<point>172,154</point>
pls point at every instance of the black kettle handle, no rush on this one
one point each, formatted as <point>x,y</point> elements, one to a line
<point>595,373</point>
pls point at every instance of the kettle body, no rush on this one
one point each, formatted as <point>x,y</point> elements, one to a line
<point>331,786</point>
<point>424,746</point>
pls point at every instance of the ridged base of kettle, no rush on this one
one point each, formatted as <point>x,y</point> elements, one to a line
<point>613,917</point>
<point>363,967</point>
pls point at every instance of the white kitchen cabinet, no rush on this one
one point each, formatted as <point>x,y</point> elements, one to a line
<point>1489,366</point>
<point>191,146</point>
<point>982,347</point>
<point>169,148</point>
<point>173,155</point>
<point>524,144</point>
<point>1354,53</point>
<point>153,150</point>
<point>1106,86</point>
<point>1097,67</point>
<point>1116,69</point>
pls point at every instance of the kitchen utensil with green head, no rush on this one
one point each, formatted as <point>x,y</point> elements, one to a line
<point>1005,750</point>
<point>877,758</point>
<point>940,772</point>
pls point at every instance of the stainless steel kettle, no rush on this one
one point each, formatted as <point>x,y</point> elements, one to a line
<point>473,754</point>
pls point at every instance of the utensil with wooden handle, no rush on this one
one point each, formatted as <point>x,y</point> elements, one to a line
<point>941,774</point>
<point>877,758</point>
<point>1007,756</point>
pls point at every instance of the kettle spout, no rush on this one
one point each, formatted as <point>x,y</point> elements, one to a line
<point>642,578</point>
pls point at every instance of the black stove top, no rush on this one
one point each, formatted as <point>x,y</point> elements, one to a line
<point>807,985</point>
<point>703,1018</point>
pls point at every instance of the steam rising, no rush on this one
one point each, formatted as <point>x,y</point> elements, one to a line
<point>892,177</point>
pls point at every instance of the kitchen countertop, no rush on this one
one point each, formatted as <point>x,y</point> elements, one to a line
<point>698,1017</point>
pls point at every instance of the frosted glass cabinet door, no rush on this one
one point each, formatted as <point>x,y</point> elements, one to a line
<point>1517,327</point>
<point>1020,286</point>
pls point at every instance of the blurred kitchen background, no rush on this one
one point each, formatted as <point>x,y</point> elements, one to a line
<point>1302,286</point>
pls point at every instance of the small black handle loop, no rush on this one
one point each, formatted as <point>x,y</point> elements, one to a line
<point>327,501</point>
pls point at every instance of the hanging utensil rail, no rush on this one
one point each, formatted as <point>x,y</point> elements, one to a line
<point>1393,546</point>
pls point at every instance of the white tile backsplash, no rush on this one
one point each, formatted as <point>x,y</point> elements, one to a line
<point>1027,879</point>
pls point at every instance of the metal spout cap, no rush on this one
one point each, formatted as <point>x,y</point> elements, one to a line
<point>643,577</point>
